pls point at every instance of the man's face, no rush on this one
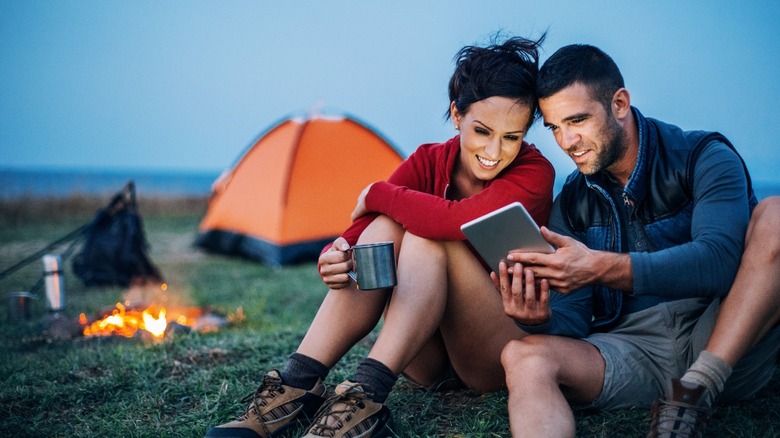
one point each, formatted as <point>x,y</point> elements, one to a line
<point>584,129</point>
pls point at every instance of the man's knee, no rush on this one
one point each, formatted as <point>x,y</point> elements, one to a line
<point>765,223</point>
<point>527,358</point>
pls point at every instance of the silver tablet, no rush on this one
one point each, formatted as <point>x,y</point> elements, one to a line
<point>498,232</point>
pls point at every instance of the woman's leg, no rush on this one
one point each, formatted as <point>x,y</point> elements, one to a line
<point>416,307</point>
<point>422,303</point>
<point>445,303</point>
<point>475,328</point>
<point>347,315</point>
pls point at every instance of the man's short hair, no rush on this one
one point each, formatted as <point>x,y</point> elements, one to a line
<point>581,63</point>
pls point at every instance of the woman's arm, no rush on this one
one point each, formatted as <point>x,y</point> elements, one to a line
<point>529,181</point>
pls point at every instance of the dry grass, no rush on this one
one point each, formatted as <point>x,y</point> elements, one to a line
<point>15,212</point>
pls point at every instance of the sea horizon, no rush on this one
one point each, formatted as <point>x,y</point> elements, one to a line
<point>44,182</point>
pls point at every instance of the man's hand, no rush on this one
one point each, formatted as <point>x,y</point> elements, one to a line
<point>573,266</point>
<point>523,300</point>
<point>335,263</point>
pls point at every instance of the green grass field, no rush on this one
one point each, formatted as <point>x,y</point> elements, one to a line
<point>120,387</point>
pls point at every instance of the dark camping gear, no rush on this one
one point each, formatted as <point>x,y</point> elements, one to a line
<point>113,252</point>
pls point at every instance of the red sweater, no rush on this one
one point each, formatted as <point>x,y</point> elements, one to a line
<point>414,195</point>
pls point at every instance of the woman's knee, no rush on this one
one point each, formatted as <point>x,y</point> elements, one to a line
<point>412,243</point>
<point>381,229</point>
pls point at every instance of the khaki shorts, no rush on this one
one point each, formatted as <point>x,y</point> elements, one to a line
<point>649,348</point>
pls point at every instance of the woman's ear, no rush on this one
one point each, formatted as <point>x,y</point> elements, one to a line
<point>454,116</point>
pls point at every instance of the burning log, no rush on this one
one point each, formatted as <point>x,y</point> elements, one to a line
<point>154,320</point>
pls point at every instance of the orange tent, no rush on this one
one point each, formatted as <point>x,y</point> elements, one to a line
<point>292,190</point>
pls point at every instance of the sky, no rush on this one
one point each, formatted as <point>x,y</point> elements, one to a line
<point>187,85</point>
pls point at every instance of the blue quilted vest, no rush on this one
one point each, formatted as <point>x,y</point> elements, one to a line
<point>661,186</point>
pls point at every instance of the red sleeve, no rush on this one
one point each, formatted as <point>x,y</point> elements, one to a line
<point>412,172</point>
<point>528,180</point>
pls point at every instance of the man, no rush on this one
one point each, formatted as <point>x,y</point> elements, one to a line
<point>653,222</point>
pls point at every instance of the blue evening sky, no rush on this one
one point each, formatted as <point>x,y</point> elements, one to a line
<point>186,85</point>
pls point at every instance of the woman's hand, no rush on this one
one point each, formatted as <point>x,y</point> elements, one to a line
<point>523,300</point>
<point>360,208</point>
<point>335,263</point>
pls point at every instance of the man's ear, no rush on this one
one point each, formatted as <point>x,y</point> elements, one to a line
<point>621,103</point>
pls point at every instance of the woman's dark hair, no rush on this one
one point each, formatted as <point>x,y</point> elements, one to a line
<point>508,69</point>
<point>584,64</point>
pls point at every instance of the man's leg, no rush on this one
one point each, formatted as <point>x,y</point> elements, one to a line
<point>752,306</point>
<point>544,373</point>
<point>747,314</point>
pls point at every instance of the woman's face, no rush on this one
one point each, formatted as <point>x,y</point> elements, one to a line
<point>491,134</point>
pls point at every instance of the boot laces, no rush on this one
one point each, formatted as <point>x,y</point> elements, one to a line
<point>339,409</point>
<point>268,390</point>
<point>678,419</point>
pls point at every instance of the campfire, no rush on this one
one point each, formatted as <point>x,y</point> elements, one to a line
<point>128,320</point>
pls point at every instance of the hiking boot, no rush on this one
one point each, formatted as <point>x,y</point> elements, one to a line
<point>350,413</point>
<point>682,416</point>
<point>273,409</point>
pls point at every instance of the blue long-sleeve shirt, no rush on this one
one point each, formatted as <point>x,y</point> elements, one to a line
<point>710,235</point>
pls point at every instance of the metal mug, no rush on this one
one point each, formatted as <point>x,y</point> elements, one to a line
<point>374,265</point>
<point>19,305</point>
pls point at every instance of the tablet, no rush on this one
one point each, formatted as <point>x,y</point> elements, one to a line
<point>498,232</point>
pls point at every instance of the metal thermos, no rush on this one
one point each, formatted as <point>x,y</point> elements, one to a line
<point>55,283</point>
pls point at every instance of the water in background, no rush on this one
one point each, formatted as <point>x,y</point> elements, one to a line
<point>37,183</point>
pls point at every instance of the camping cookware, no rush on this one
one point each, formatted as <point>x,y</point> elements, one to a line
<point>19,305</point>
<point>374,265</point>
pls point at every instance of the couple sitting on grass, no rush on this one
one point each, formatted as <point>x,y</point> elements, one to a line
<point>663,290</point>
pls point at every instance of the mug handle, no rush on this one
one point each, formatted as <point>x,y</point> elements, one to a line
<point>352,274</point>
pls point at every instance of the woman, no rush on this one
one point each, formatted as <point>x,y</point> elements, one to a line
<point>444,319</point>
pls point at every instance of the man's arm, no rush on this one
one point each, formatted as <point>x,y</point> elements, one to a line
<point>706,265</point>
<point>573,265</point>
<point>703,266</point>
<point>537,309</point>
<point>570,314</point>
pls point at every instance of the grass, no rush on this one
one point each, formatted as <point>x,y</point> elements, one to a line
<point>87,387</point>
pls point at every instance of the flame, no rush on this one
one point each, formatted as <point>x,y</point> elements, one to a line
<point>126,323</point>
<point>155,326</point>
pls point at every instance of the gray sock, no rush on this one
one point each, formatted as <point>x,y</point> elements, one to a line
<point>711,372</point>
<point>377,376</point>
<point>303,371</point>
